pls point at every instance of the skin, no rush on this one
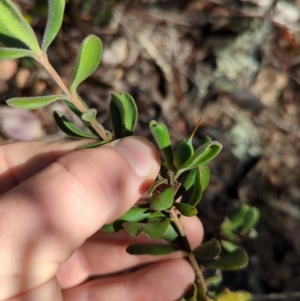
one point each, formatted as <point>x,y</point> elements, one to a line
<point>54,201</point>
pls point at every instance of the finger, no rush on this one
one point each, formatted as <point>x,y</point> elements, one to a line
<point>52,213</point>
<point>92,258</point>
<point>21,160</point>
<point>162,281</point>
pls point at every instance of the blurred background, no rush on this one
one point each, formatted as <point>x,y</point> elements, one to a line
<point>233,63</point>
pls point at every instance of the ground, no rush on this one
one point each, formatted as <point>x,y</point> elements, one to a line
<point>234,63</point>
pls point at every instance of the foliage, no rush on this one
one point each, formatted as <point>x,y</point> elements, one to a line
<point>184,168</point>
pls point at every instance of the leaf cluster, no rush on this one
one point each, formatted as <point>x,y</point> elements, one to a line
<point>184,168</point>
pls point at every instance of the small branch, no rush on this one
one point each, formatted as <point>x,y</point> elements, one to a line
<point>72,96</point>
<point>200,279</point>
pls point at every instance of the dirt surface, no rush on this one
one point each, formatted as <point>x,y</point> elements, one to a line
<point>234,63</point>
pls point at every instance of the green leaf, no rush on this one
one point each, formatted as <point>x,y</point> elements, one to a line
<point>16,24</point>
<point>202,155</point>
<point>55,18</point>
<point>162,138</point>
<point>69,128</point>
<point>8,40</point>
<point>151,249</point>
<point>227,295</point>
<point>228,230</point>
<point>14,53</point>
<point>32,103</point>
<point>197,189</point>
<point>113,227</point>
<point>229,246</point>
<point>183,152</point>
<point>201,181</point>
<point>250,220</point>
<point>124,114</point>
<point>171,234</point>
<point>208,250</point>
<point>186,209</point>
<point>93,144</point>
<point>214,281</point>
<point>152,230</point>
<point>87,61</point>
<point>164,200</point>
<point>155,185</point>
<point>238,217</point>
<point>204,177</point>
<point>89,116</point>
<point>135,214</point>
<point>235,260</point>
<point>187,183</point>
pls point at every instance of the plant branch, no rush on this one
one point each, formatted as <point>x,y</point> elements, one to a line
<point>42,58</point>
<point>201,284</point>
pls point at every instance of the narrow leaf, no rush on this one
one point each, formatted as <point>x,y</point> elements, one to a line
<point>250,220</point>
<point>69,128</point>
<point>151,249</point>
<point>135,214</point>
<point>16,24</point>
<point>183,151</point>
<point>87,61</point>
<point>186,209</point>
<point>208,250</point>
<point>197,189</point>
<point>152,230</point>
<point>32,103</point>
<point>202,155</point>
<point>55,18</point>
<point>171,234</point>
<point>164,200</point>
<point>204,177</point>
<point>162,138</point>
<point>214,281</point>
<point>8,40</point>
<point>187,183</point>
<point>238,217</point>
<point>229,246</point>
<point>235,260</point>
<point>14,53</point>
<point>124,114</point>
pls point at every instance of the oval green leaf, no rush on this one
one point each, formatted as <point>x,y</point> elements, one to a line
<point>135,214</point>
<point>250,220</point>
<point>69,128</point>
<point>202,155</point>
<point>208,250</point>
<point>55,17</point>
<point>235,260</point>
<point>124,114</point>
<point>14,53</point>
<point>162,138</point>
<point>171,234</point>
<point>16,24</point>
<point>183,152</point>
<point>164,200</point>
<point>229,246</point>
<point>151,249</point>
<point>186,209</point>
<point>197,189</point>
<point>32,103</point>
<point>152,230</point>
<point>87,61</point>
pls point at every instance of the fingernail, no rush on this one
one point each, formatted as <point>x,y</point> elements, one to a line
<point>138,152</point>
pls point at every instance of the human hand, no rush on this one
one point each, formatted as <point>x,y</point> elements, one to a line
<point>54,201</point>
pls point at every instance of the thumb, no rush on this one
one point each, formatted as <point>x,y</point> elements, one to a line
<point>48,216</point>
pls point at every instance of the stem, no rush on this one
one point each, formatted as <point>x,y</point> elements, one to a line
<point>42,58</point>
<point>200,281</point>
